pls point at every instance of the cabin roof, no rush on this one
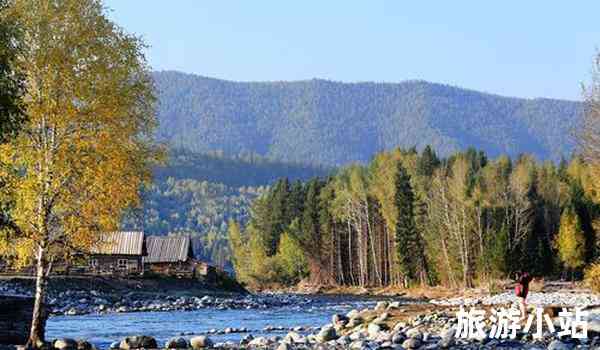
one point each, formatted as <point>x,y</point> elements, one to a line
<point>120,243</point>
<point>168,249</point>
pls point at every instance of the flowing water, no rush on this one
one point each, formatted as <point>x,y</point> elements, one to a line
<point>102,330</point>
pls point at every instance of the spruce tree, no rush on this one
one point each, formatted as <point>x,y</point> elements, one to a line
<point>406,233</point>
<point>427,162</point>
<point>278,219</point>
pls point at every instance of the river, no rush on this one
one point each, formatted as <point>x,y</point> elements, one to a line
<point>102,330</point>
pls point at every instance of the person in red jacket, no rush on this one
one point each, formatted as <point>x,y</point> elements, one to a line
<point>521,290</point>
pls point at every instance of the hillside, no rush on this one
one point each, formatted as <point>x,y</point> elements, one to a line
<point>198,194</point>
<point>332,123</point>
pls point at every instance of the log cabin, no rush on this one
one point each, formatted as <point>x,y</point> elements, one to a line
<point>174,256</point>
<point>118,253</point>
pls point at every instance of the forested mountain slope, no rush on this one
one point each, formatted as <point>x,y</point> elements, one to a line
<point>198,193</point>
<point>332,123</point>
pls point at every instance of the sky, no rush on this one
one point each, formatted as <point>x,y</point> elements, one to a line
<point>514,48</point>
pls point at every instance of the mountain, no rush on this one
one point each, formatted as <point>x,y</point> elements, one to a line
<point>332,123</point>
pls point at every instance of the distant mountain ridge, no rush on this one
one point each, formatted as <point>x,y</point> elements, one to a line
<point>332,123</point>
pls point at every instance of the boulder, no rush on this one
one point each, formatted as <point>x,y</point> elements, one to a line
<point>394,305</point>
<point>65,344</point>
<point>448,338</point>
<point>138,342</point>
<point>559,345</point>
<point>414,333</point>
<point>338,319</point>
<point>381,318</point>
<point>294,338</point>
<point>85,345</point>
<point>411,343</point>
<point>398,338</point>
<point>343,340</point>
<point>355,321</point>
<point>246,339</point>
<point>381,306</point>
<point>373,330</point>
<point>284,346</point>
<point>359,345</point>
<point>259,342</point>
<point>177,343</point>
<point>352,313</point>
<point>201,342</point>
<point>326,334</point>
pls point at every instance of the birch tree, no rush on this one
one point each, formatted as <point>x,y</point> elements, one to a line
<point>85,149</point>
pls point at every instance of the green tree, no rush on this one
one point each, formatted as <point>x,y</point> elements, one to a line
<point>11,76</point>
<point>11,111</point>
<point>291,259</point>
<point>427,162</point>
<point>406,235</point>
<point>277,215</point>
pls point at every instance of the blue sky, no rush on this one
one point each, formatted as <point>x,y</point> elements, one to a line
<point>514,48</point>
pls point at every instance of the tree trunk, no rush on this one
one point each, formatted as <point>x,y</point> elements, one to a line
<point>38,322</point>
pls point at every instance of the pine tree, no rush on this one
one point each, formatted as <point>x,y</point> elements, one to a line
<point>278,218</point>
<point>310,238</point>
<point>427,162</point>
<point>406,245</point>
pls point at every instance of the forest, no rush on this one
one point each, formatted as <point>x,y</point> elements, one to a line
<point>415,218</point>
<point>332,123</point>
<point>199,193</point>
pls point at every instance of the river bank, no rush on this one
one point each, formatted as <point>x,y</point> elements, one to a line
<point>292,321</point>
<point>325,324</point>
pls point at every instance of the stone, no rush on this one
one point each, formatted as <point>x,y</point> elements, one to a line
<point>399,326</point>
<point>259,342</point>
<point>593,327</point>
<point>326,334</point>
<point>177,343</point>
<point>398,338</point>
<point>355,321</point>
<point>411,343</point>
<point>359,345</point>
<point>343,340</point>
<point>284,346</point>
<point>559,345</point>
<point>338,319</point>
<point>381,306</point>
<point>414,333</point>
<point>201,342</point>
<point>246,339</point>
<point>448,338</point>
<point>352,313</point>
<point>138,342</point>
<point>293,337</point>
<point>394,305</point>
<point>65,344</point>
<point>373,330</point>
<point>85,345</point>
<point>381,318</point>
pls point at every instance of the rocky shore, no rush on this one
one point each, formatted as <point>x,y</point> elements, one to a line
<point>386,326</point>
<point>571,298</point>
<point>85,301</point>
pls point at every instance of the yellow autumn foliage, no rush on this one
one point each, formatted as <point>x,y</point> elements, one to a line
<point>570,240</point>
<point>85,148</point>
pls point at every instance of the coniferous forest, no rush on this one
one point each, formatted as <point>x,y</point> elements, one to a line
<point>411,217</point>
